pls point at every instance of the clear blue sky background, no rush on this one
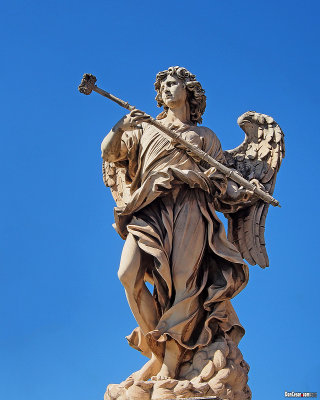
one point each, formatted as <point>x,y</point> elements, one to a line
<point>64,314</point>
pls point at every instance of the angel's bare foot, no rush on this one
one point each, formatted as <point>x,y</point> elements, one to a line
<point>171,360</point>
<point>164,373</point>
<point>149,369</point>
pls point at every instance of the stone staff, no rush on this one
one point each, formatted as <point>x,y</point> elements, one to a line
<point>88,84</point>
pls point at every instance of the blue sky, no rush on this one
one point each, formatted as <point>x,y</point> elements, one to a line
<point>63,311</point>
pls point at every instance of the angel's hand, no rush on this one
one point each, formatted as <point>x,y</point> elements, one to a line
<point>234,191</point>
<point>243,194</point>
<point>258,184</point>
<point>239,193</point>
<point>131,121</point>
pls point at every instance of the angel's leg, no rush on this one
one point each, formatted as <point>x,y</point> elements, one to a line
<point>131,273</point>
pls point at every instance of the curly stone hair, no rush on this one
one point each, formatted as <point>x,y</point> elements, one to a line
<point>195,94</point>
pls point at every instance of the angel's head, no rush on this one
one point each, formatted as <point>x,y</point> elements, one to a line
<point>185,87</point>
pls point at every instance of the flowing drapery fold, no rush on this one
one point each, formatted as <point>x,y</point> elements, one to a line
<point>195,269</point>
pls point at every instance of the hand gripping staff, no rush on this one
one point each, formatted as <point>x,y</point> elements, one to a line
<point>88,84</point>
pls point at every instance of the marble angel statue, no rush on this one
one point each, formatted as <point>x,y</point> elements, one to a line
<point>166,213</point>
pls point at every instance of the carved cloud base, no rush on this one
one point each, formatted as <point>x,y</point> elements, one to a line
<point>217,371</point>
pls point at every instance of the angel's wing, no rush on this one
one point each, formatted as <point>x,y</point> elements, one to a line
<point>258,157</point>
<point>115,178</point>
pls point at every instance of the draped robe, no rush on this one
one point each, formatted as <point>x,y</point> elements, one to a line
<point>171,214</point>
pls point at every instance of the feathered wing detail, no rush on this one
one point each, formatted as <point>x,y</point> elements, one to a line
<point>115,178</point>
<point>258,157</point>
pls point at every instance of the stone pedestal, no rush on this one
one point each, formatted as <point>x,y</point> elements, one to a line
<point>216,372</point>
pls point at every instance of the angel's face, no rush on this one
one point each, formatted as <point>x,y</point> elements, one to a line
<point>173,92</point>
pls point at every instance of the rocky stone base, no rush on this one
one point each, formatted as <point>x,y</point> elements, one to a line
<point>215,372</point>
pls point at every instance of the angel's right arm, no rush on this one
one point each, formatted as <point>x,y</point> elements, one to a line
<point>113,149</point>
